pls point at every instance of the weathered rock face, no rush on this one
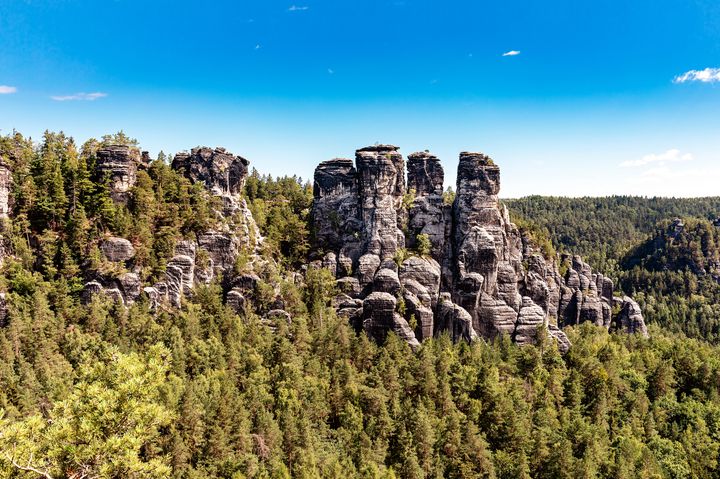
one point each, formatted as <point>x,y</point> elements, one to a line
<point>3,310</point>
<point>381,185</point>
<point>336,212</point>
<point>5,188</point>
<point>222,173</point>
<point>120,164</point>
<point>630,318</point>
<point>117,249</point>
<point>196,260</point>
<point>427,214</point>
<point>482,277</point>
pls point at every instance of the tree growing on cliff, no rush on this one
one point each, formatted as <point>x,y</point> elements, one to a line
<point>424,245</point>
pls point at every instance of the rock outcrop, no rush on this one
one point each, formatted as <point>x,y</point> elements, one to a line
<point>5,188</point>
<point>212,253</point>
<point>482,278</point>
<point>119,164</point>
<point>222,173</point>
<point>198,260</point>
<point>117,249</point>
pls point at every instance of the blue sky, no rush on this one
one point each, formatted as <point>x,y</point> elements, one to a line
<point>569,97</point>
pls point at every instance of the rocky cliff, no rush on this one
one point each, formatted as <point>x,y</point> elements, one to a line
<point>406,260</point>
<point>197,260</point>
<point>480,278</point>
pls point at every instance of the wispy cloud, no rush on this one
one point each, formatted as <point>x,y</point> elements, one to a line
<point>6,90</point>
<point>511,53</point>
<point>297,8</point>
<point>258,47</point>
<point>671,156</point>
<point>80,96</point>
<point>708,75</point>
<point>682,182</point>
<point>331,71</point>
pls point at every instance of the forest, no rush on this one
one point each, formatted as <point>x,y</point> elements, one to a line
<point>102,390</point>
<point>663,251</point>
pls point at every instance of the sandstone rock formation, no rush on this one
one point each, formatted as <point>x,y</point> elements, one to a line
<point>5,187</point>
<point>119,163</point>
<point>3,310</point>
<point>117,249</point>
<point>222,173</point>
<point>212,252</point>
<point>482,278</point>
<point>196,260</point>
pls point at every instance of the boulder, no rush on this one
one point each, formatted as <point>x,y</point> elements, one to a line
<point>531,318</point>
<point>453,320</point>
<point>386,280</point>
<point>3,310</point>
<point>561,339</point>
<point>235,300</point>
<point>379,315</point>
<point>367,267</point>
<point>424,271</point>
<point>117,250</point>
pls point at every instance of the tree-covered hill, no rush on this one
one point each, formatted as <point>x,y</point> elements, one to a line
<point>669,267</point>
<point>602,230</point>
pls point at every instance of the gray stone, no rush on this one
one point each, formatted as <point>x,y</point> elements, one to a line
<point>386,280</point>
<point>425,271</point>
<point>235,300</point>
<point>367,267</point>
<point>222,173</point>
<point>454,320</point>
<point>379,315</point>
<point>118,163</point>
<point>5,190</point>
<point>630,318</point>
<point>117,249</point>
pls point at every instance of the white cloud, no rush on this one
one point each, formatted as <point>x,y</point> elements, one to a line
<point>682,182</point>
<point>6,90</point>
<point>511,53</point>
<point>331,71</point>
<point>258,47</point>
<point>80,96</point>
<point>671,156</point>
<point>296,8</point>
<point>708,75</point>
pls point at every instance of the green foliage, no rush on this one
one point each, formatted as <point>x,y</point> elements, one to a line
<point>119,138</point>
<point>423,244</point>
<point>315,399</point>
<point>408,199</point>
<point>537,236</point>
<point>281,209</point>
<point>107,391</point>
<point>401,255</point>
<point>109,426</point>
<point>62,211</point>
<point>448,196</point>
<point>674,276</point>
<point>320,289</point>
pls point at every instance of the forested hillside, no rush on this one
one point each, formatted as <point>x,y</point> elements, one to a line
<point>669,266</point>
<point>101,386</point>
